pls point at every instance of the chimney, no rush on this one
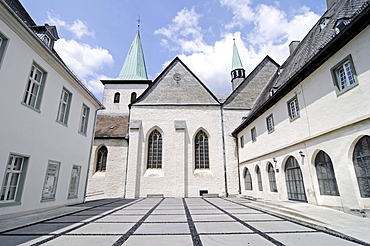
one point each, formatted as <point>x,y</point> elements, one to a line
<point>293,45</point>
<point>330,3</point>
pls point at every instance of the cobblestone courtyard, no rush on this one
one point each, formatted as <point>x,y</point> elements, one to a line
<point>169,221</point>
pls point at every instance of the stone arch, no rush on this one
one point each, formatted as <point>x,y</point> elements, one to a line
<point>201,149</point>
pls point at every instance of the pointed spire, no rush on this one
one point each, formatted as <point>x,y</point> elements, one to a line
<point>236,63</point>
<point>134,67</point>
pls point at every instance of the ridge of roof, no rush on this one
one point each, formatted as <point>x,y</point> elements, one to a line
<point>317,47</point>
<point>134,66</point>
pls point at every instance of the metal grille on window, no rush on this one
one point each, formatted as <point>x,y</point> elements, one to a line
<point>325,175</point>
<point>259,179</point>
<point>272,178</point>
<point>270,123</point>
<point>101,163</point>
<point>201,151</point>
<point>294,180</point>
<point>361,162</point>
<point>293,108</point>
<point>155,150</point>
<point>247,180</point>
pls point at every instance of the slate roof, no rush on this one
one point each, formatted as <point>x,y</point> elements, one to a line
<point>317,47</point>
<point>17,7</point>
<point>188,90</point>
<point>111,126</point>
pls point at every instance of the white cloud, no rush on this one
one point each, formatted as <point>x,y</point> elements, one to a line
<point>269,33</point>
<point>78,27</point>
<point>86,61</point>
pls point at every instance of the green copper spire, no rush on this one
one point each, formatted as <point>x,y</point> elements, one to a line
<point>134,67</point>
<point>236,63</point>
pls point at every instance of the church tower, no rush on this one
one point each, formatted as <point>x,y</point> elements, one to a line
<point>237,70</point>
<point>130,83</point>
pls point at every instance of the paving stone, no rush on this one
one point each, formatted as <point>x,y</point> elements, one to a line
<point>233,240</point>
<point>224,227</point>
<point>153,240</point>
<point>260,216</point>
<point>73,218</point>
<point>73,240</point>
<point>166,218</point>
<point>167,211</point>
<point>163,228</point>
<point>212,217</point>
<point>44,228</point>
<point>278,226</point>
<point>20,240</point>
<point>103,228</point>
<point>121,218</point>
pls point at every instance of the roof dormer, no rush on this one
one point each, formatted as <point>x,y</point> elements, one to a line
<point>48,34</point>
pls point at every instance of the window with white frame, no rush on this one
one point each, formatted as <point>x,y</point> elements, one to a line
<point>14,178</point>
<point>75,179</point>
<point>293,108</point>
<point>344,75</point>
<point>33,93</point>
<point>64,105</point>
<point>84,119</point>
<point>3,42</point>
<point>254,134</point>
<point>51,180</point>
<point>270,123</point>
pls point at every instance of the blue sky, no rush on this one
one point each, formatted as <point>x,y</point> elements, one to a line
<point>96,34</point>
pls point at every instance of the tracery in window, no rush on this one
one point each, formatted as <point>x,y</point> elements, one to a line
<point>154,150</point>
<point>201,151</point>
<point>101,162</point>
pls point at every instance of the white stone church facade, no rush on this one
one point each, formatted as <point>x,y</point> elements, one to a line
<point>297,131</point>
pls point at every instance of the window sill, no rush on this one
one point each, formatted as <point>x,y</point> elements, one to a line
<point>72,197</point>
<point>341,92</point>
<point>30,107</point>
<point>291,120</point>
<point>8,204</point>
<point>63,124</point>
<point>48,200</point>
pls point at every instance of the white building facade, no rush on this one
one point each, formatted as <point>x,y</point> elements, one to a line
<point>48,113</point>
<point>308,137</point>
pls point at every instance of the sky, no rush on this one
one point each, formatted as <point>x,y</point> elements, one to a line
<point>95,35</point>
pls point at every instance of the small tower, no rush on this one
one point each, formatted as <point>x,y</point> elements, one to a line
<point>130,83</point>
<point>237,70</point>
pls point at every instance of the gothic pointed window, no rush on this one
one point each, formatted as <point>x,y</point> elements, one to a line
<point>272,178</point>
<point>116,97</point>
<point>247,180</point>
<point>259,178</point>
<point>361,162</point>
<point>201,151</point>
<point>101,162</point>
<point>154,150</point>
<point>133,97</point>
<point>325,175</point>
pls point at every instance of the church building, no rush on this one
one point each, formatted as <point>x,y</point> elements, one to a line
<point>297,131</point>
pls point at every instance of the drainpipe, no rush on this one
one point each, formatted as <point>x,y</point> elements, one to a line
<point>127,137</point>
<point>223,149</point>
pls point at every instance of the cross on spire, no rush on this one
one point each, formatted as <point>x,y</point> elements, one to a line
<point>138,22</point>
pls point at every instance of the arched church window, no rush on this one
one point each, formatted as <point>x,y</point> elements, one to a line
<point>247,180</point>
<point>325,175</point>
<point>133,97</point>
<point>201,151</point>
<point>101,162</point>
<point>259,178</point>
<point>154,150</point>
<point>361,161</point>
<point>272,178</point>
<point>117,96</point>
<point>294,180</point>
